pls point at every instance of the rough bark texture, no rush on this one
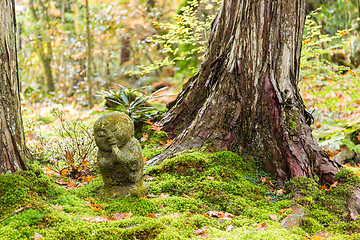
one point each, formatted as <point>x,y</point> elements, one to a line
<point>245,96</point>
<point>12,141</point>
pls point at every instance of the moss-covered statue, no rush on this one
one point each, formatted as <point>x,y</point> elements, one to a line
<point>119,157</point>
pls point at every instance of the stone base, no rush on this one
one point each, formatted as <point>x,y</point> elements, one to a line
<point>117,191</point>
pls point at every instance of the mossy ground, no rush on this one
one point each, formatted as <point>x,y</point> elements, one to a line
<point>195,183</point>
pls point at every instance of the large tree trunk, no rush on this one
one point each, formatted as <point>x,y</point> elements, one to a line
<point>245,96</point>
<point>12,141</point>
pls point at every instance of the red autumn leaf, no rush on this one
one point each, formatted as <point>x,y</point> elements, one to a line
<point>154,215</point>
<point>38,236</point>
<point>202,230</point>
<point>148,177</point>
<point>144,137</point>
<point>261,227</point>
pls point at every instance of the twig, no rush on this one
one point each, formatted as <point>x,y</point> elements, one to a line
<point>25,208</point>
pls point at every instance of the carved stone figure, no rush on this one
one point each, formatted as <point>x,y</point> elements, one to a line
<point>119,157</point>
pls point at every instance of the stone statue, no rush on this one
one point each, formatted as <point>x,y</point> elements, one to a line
<point>119,157</point>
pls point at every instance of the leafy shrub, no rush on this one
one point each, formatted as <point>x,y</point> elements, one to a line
<point>132,101</point>
<point>72,153</point>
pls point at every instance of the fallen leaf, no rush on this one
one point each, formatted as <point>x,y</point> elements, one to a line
<point>273,217</point>
<point>38,236</point>
<point>156,127</point>
<point>205,215</point>
<point>21,209</point>
<point>284,210</point>
<point>281,191</point>
<point>121,216</point>
<point>205,235</point>
<point>151,196</point>
<point>144,137</point>
<point>147,177</point>
<point>72,184</point>
<point>229,227</point>
<point>164,195</point>
<point>58,207</point>
<point>260,227</point>
<point>149,122</point>
<point>184,195</point>
<point>202,230</point>
<point>99,219</point>
<point>176,215</point>
<point>210,178</point>
<point>145,159</point>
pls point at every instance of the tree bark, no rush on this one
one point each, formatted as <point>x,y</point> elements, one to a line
<point>12,140</point>
<point>245,96</point>
<point>89,57</point>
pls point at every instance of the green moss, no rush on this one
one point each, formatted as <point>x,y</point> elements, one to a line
<point>303,186</point>
<point>311,226</point>
<point>24,188</point>
<point>196,184</point>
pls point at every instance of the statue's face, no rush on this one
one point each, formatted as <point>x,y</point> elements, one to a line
<point>113,129</point>
<point>108,136</point>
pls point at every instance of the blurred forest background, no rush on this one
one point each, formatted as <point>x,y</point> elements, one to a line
<point>75,54</point>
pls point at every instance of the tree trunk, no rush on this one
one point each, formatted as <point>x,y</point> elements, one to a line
<point>245,96</point>
<point>89,57</point>
<point>12,141</point>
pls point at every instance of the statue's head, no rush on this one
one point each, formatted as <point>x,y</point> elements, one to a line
<point>113,129</point>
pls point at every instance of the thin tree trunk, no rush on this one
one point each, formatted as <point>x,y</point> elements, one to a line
<point>45,49</point>
<point>12,140</point>
<point>245,97</point>
<point>89,57</point>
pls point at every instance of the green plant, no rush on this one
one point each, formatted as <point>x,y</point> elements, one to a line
<point>71,153</point>
<point>329,86</point>
<point>132,101</point>
<point>184,38</point>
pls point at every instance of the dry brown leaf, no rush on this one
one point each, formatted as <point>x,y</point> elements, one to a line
<point>164,196</point>
<point>151,196</point>
<point>156,127</point>
<point>121,216</point>
<point>144,137</point>
<point>204,235</point>
<point>273,217</point>
<point>58,207</point>
<point>281,191</point>
<point>201,230</point>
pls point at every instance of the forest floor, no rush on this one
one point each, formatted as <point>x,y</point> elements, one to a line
<point>221,195</point>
